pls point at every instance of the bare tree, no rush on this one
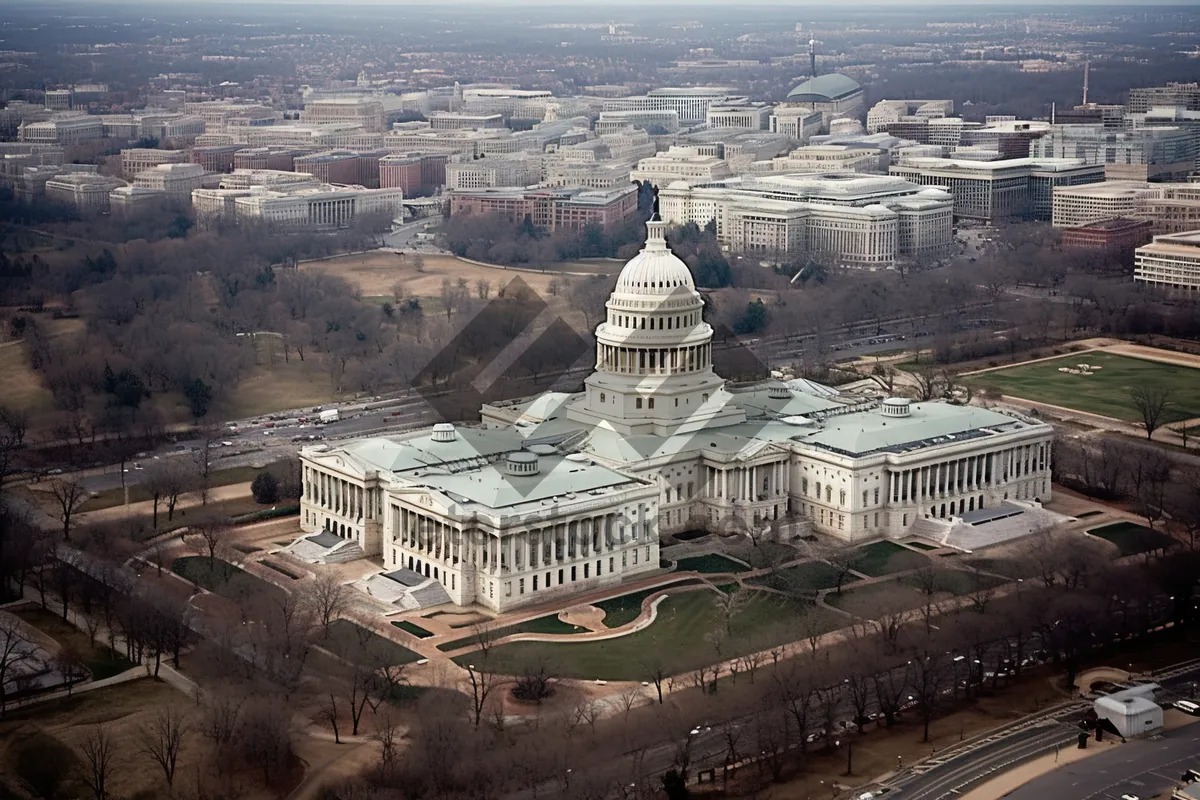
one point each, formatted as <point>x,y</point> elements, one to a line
<point>329,713</point>
<point>329,598</point>
<point>387,733</point>
<point>841,557</point>
<point>16,651</point>
<point>730,604</point>
<point>931,383</point>
<point>212,536</point>
<point>162,737</point>
<point>222,716</point>
<point>99,752</point>
<point>70,494</point>
<point>884,376</point>
<point>1151,403</point>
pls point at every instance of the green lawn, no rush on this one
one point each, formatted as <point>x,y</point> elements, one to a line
<point>547,624</point>
<point>884,558</point>
<point>223,578</point>
<point>679,639</point>
<point>345,636</point>
<point>1131,538</point>
<point>809,577</point>
<point>1106,392</point>
<point>105,663</point>
<point>711,563</point>
<point>413,628</point>
<point>625,608</point>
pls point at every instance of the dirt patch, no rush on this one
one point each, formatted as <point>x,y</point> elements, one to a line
<point>376,273</point>
<point>588,617</point>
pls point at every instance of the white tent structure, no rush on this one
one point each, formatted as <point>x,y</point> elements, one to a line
<point>1131,712</point>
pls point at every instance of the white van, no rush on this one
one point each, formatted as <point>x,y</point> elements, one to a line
<point>1187,707</point>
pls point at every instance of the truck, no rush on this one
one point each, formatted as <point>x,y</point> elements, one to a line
<point>329,415</point>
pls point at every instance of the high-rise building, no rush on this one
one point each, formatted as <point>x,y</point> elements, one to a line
<point>1142,154</point>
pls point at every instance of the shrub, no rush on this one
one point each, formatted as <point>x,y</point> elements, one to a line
<point>265,488</point>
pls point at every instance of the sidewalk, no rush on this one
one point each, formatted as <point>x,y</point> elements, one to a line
<point>1013,779</point>
<point>233,491</point>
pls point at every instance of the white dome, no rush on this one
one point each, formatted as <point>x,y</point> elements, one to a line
<point>655,270</point>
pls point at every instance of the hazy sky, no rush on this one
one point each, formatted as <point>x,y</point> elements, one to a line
<point>1049,6</point>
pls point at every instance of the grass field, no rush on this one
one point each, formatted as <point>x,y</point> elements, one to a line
<point>625,608</point>
<point>884,558</point>
<point>139,493</point>
<point>873,599</point>
<point>345,636</point>
<point>223,578</point>
<point>1131,538</point>
<point>1106,392</point>
<point>956,582</point>
<point>547,624</point>
<point>413,628</point>
<point>100,660</point>
<point>711,563</point>
<point>811,576</point>
<point>679,639</point>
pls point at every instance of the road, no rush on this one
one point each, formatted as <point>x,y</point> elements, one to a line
<point>954,776</point>
<point>1142,768</point>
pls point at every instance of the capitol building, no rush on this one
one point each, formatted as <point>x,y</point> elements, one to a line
<point>563,493</point>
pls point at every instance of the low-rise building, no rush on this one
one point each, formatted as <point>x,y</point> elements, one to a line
<point>342,166</point>
<point>1171,261</point>
<point>415,173</point>
<point>317,208</point>
<point>132,200</point>
<point>681,164</point>
<point>888,111</point>
<point>176,181</point>
<point>84,190</point>
<point>552,209</point>
<point>1074,206</point>
<point>1111,235</point>
<point>690,103</point>
<point>658,122</point>
<point>1165,153</point>
<point>219,158</point>
<point>516,169</point>
<point>63,129</point>
<point>832,95</point>
<point>138,159</point>
<point>832,158</point>
<point>365,112</point>
<point>452,121</point>
<point>739,112</point>
<point>798,122</point>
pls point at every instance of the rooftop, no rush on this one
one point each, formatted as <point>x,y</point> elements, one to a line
<point>824,88</point>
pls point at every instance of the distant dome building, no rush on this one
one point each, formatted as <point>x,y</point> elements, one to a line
<point>833,95</point>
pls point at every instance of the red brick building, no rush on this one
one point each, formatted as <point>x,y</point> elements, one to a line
<point>343,166</point>
<point>1114,235</point>
<point>414,173</point>
<point>551,209</point>
<point>215,159</point>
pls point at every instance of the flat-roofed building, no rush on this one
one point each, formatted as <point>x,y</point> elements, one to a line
<point>218,158</point>
<point>1074,206</point>
<point>217,115</point>
<point>889,111</point>
<point>276,158</point>
<point>1176,209</point>
<point>798,122</point>
<point>997,190</point>
<point>1170,261</point>
<point>137,159</point>
<point>317,208</point>
<point>59,99</point>
<point>270,178</point>
<point>365,112</point>
<point>1112,235</point>
<point>516,169</point>
<point>453,120</point>
<point>833,95</point>
<point>863,222</point>
<point>415,173</point>
<point>1143,154</point>
<point>690,103</point>
<point>132,200</point>
<point>1183,95</point>
<point>552,209</point>
<point>681,164</point>
<point>739,112</point>
<point>832,158</point>
<point>214,206</point>
<point>658,122</point>
<point>84,190</point>
<point>342,166</point>
<point>316,137</point>
<point>176,181</point>
<point>66,129</point>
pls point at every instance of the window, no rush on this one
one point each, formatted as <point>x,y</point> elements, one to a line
<point>828,494</point>
<point>865,498</point>
<point>677,402</point>
<point>585,571</point>
<point>689,490</point>
<point>704,397</point>
<point>610,565</point>
<point>602,398</point>
<point>491,590</point>
<point>535,577</point>
<point>842,497</point>
<point>818,490</point>
<point>560,578</point>
<point>876,496</point>
<point>639,403</point>
<point>635,554</point>
<point>841,521</point>
<point>804,486</point>
<point>624,559</point>
<point>572,574</point>
<point>904,520</point>
<point>508,588</point>
<point>651,402</point>
<point>876,522</point>
<point>521,586</point>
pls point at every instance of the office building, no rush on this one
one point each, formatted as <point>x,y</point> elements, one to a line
<point>137,159</point>
<point>133,200</point>
<point>797,122</point>
<point>862,222</point>
<point>551,209</point>
<point>888,111</point>
<point>832,158</point>
<point>365,112</point>
<point>1182,118</point>
<point>219,158</point>
<point>176,181</point>
<point>515,169</point>
<point>656,122</point>
<point>66,129</point>
<point>1139,154</point>
<point>341,135</point>
<point>58,99</point>
<point>998,190</point>
<point>453,121</point>
<point>218,115</point>
<point>315,208</point>
<point>417,174</point>
<point>1110,116</point>
<point>86,191</point>
<point>691,103</point>
<point>1182,95</point>
<point>276,158</point>
<point>1110,235</point>
<point>1082,205</point>
<point>681,164</point>
<point>561,494</point>
<point>1171,261</point>
<point>739,112</point>
<point>342,166</point>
